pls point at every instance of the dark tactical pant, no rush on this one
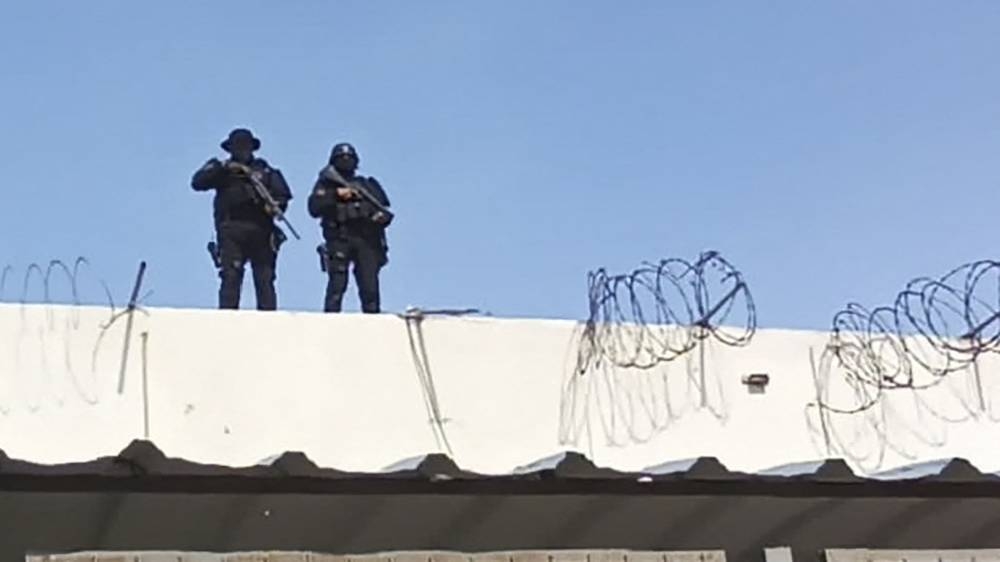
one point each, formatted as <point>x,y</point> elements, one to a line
<point>240,242</point>
<point>368,256</point>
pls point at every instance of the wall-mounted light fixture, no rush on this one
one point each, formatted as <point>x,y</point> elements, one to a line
<point>756,382</point>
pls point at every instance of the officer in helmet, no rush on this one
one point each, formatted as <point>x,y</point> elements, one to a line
<point>354,213</point>
<point>244,225</point>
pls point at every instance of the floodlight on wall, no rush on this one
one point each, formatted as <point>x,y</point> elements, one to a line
<point>756,382</point>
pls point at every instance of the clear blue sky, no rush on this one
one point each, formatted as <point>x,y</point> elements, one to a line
<point>832,151</point>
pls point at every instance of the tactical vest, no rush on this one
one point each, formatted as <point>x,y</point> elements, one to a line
<point>355,209</point>
<point>237,201</point>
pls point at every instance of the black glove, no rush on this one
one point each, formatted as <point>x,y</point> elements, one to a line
<point>237,167</point>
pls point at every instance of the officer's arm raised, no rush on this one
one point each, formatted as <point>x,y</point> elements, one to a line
<point>209,176</point>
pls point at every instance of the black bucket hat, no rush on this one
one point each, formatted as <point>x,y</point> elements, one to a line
<point>240,135</point>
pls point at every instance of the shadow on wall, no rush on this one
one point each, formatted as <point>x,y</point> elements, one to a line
<point>891,380</point>
<point>414,320</point>
<point>623,406</point>
<point>641,357</point>
<point>58,355</point>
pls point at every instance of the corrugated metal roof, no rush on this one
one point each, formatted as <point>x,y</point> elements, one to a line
<point>140,498</point>
<point>143,459</point>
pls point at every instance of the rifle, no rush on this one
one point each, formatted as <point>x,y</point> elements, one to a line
<point>263,194</point>
<point>333,175</point>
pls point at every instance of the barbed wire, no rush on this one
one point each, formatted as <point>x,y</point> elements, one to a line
<point>891,379</point>
<point>46,277</point>
<point>626,384</point>
<point>661,311</point>
<point>55,346</point>
<point>934,328</point>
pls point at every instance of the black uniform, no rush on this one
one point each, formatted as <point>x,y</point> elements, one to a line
<point>354,230</point>
<point>244,229</point>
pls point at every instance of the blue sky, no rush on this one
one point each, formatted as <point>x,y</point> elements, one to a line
<point>832,151</point>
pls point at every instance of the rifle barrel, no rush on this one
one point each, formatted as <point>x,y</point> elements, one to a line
<point>291,228</point>
<point>264,194</point>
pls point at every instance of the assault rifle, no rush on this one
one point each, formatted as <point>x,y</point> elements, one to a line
<point>331,173</point>
<point>260,190</point>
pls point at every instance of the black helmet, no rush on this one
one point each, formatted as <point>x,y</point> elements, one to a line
<point>341,149</point>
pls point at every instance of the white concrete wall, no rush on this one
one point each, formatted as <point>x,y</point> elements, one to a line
<point>238,387</point>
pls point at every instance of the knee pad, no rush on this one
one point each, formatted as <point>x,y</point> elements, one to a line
<point>232,270</point>
<point>338,261</point>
